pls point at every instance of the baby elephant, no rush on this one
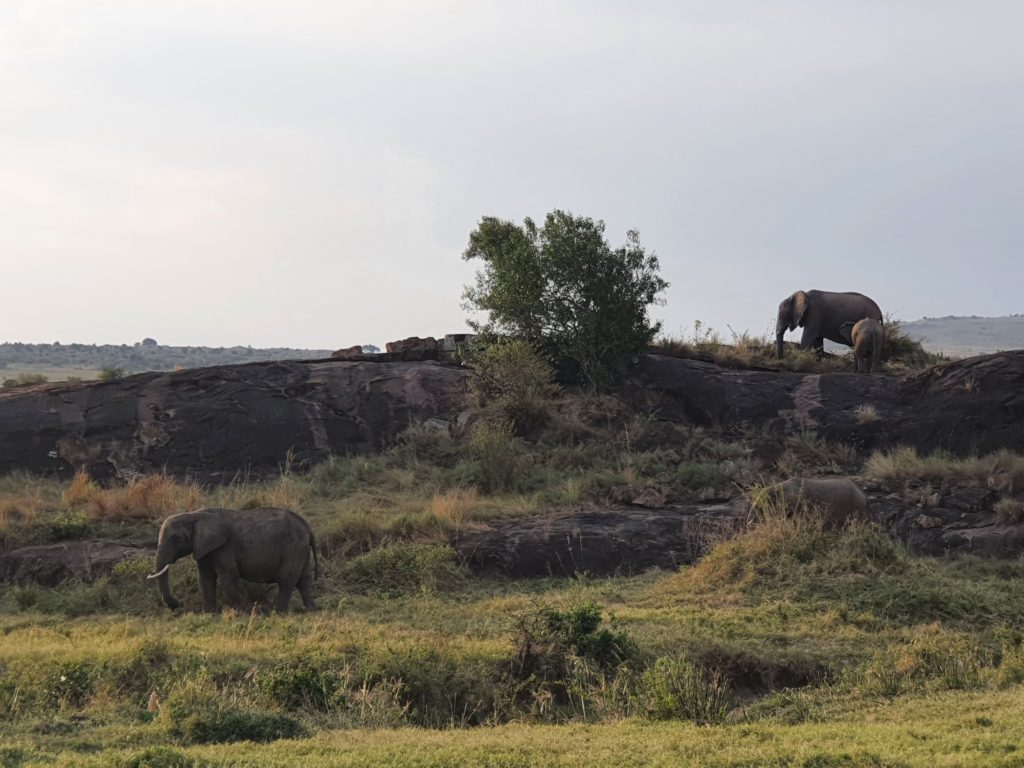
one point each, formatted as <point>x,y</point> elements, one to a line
<point>261,545</point>
<point>866,337</point>
<point>838,498</point>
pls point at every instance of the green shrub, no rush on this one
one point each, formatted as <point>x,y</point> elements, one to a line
<point>512,377</point>
<point>675,689</point>
<point>110,374</point>
<point>547,641</point>
<point>498,456</point>
<point>302,684</point>
<point>197,716</point>
<point>70,527</point>
<point>142,669</point>
<point>579,630</point>
<point>70,685</point>
<point>394,570</point>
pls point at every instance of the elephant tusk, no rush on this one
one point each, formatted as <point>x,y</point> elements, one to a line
<point>161,572</point>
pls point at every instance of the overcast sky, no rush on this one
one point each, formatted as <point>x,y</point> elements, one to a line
<point>307,173</point>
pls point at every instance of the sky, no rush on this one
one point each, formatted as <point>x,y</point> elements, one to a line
<point>306,174</point>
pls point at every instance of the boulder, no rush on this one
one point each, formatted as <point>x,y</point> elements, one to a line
<point>51,564</point>
<point>348,352</point>
<point>616,541</point>
<point>414,348</point>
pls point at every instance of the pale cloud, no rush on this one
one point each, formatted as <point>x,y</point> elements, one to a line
<point>306,173</point>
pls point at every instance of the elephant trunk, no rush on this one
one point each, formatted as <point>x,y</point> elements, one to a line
<point>163,565</point>
<point>778,342</point>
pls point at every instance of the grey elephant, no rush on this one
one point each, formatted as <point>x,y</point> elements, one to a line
<point>866,336</point>
<point>261,545</point>
<point>821,314</point>
<point>839,499</point>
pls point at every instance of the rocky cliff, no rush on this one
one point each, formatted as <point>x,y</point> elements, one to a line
<point>215,424</point>
<point>219,423</point>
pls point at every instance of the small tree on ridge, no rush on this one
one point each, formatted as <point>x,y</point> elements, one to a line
<point>565,291</point>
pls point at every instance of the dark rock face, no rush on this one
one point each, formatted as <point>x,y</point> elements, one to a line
<point>600,543</point>
<point>51,564</point>
<point>957,520</point>
<point>971,405</point>
<point>228,421</point>
<point>216,424</point>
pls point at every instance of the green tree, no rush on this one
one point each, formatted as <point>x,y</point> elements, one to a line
<point>565,291</point>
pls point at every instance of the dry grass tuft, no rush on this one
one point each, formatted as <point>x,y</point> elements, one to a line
<point>152,497</point>
<point>867,414</point>
<point>905,464</point>
<point>1009,511</point>
<point>455,505</point>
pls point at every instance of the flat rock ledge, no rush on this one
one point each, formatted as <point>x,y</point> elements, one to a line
<point>51,564</point>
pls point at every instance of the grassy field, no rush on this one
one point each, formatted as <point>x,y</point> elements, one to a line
<point>786,645</point>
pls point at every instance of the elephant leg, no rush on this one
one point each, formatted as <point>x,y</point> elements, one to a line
<point>208,585</point>
<point>306,588</point>
<point>227,571</point>
<point>284,593</point>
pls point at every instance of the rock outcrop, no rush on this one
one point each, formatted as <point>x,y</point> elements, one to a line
<point>50,564</point>
<point>218,424</point>
<point>958,521</point>
<point>617,541</point>
<point>972,405</point>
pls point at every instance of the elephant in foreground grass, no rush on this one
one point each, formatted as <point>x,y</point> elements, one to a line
<point>821,314</point>
<point>866,337</point>
<point>261,545</point>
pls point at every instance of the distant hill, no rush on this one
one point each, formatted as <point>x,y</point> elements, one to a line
<point>85,361</point>
<point>965,336</point>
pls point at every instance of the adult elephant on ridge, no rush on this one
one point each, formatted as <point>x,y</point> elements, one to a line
<point>821,314</point>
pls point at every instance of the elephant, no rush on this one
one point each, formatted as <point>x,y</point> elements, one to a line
<point>821,314</point>
<point>262,545</point>
<point>839,499</point>
<point>866,336</point>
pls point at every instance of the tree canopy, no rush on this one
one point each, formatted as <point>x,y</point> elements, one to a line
<point>562,288</point>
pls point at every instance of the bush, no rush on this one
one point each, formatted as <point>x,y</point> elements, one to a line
<point>25,379</point>
<point>302,684</point>
<point>548,646</point>
<point>512,377</point>
<point>499,458</point>
<point>110,374</point>
<point>562,289</point>
<point>197,716</point>
<point>71,685</point>
<point>675,689</point>
<point>394,570</point>
<point>898,347</point>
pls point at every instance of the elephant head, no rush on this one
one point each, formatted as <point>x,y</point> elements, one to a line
<point>196,533</point>
<point>791,315</point>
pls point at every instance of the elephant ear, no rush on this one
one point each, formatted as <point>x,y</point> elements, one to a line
<point>210,533</point>
<point>799,308</point>
<point>846,331</point>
